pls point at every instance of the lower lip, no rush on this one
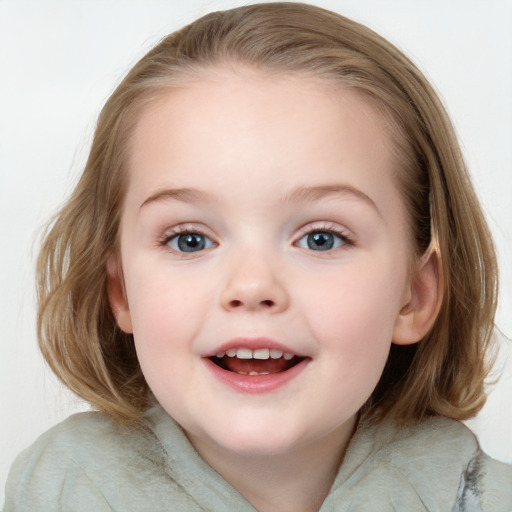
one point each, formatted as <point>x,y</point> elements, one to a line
<point>256,384</point>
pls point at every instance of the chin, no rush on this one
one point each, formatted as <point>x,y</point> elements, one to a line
<point>256,448</point>
<point>257,439</point>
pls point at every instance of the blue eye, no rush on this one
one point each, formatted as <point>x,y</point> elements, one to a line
<point>321,241</point>
<point>190,242</point>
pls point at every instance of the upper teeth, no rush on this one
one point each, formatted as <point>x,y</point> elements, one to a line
<point>260,353</point>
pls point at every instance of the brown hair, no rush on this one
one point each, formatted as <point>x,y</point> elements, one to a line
<point>441,375</point>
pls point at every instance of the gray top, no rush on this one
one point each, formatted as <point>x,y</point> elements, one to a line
<point>87,464</point>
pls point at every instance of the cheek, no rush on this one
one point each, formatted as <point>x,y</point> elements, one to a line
<point>163,328</point>
<point>355,311</point>
<point>164,311</point>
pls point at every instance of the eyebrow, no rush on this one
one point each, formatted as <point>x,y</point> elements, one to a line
<point>186,195</point>
<point>298,195</point>
<point>305,194</point>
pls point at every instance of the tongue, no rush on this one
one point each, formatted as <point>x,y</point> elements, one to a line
<point>255,365</point>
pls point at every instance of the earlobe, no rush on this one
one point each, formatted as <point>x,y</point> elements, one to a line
<point>117,296</point>
<point>423,302</point>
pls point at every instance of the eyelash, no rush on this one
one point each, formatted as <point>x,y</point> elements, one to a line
<point>181,230</point>
<point>332,229</point>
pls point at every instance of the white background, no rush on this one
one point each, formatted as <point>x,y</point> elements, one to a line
<point>59,60</point>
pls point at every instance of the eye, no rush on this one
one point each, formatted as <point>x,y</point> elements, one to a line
<point>189,242</point>
<point>322,240</point>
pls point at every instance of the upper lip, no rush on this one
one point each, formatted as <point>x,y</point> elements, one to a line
<point>252,344</point>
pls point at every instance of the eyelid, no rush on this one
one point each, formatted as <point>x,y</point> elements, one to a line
<point>188,227</point>
<point>328,226</point>
<point>181,229</point>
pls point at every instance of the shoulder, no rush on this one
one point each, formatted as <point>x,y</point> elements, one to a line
<point>434,443</point>
<point>494,484</point>
<point>76,434</point>
<point>435,465</point>
<point>434,439</point>
<point>444,454</point>
<point>59,462</point>
<point>81,440</point>
<point>86,463</point>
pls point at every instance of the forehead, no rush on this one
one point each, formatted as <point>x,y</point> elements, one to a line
<point>248,126</point>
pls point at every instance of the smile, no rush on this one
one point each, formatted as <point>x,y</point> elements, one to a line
<point>262,361</point>
<point>255,365</point>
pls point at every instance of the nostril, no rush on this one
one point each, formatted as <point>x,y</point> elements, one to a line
<point>264,303</point>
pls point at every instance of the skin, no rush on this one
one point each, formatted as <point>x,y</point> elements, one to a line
<point>249,145</point>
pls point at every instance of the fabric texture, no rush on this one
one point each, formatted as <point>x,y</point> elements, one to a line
<point>86,463</point>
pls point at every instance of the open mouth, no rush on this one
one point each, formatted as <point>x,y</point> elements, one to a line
<point>263,361</point>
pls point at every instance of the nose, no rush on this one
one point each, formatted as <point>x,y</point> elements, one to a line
<point>253,285</point>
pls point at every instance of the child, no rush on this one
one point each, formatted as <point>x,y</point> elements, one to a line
<point>274,282</point>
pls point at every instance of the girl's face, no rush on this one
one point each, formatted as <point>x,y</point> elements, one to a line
<point>265,258</point>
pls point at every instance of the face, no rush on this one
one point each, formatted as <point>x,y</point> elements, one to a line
<point>265,259</point>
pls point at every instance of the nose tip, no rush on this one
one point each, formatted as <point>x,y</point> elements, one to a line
<point>254,288</point>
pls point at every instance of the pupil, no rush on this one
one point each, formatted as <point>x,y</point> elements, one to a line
<point>320,241</point>
<point>191,242</point>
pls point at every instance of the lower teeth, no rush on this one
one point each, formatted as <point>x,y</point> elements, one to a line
<point>253,373</point>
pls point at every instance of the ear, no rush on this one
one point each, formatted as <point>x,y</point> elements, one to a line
<point>422,302</point>
<point>117,295</point>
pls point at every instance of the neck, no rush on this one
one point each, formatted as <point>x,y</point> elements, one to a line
<point>298,481</point>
